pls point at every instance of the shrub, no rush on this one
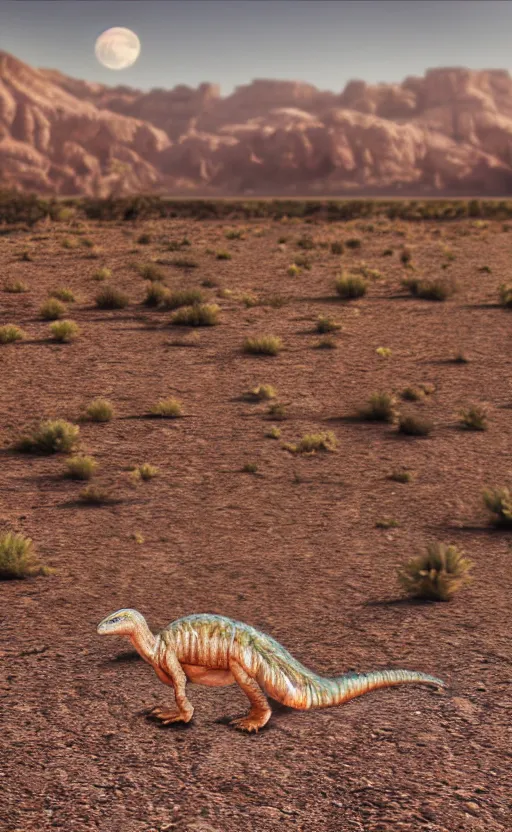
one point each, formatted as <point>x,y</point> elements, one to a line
<point>99,410</point>
<point>250,468</point>
<point>405,256</point>
<point>200,314</point>
<point>474,418</point>
<point>62,294</point>
<point>437,289</point>
<point>327,343</point>
<point>401,476</point>
<point>102,274</point>
<point>293,270</point>
<point>337,248</point>
<point>187,263</point>
<point>506,295</point>
<point>350,286</point>
<point>413,394</point>
<point>52,436</point>
<point>18,558</point>
<point>145,472</point>
<point>144,239</point>
<point>167,409</point>
<point>81,467</point>
<point>324,325</point>
<point>15,287</point>
<point>64,331</point>
<point>277,411</point>
<point>234,234</point>
<point>411,425</point>
<point>261,393</point>
<point>306,242</point>
<point>387,523</point>
<point>353,242</point>
<point>10,333</point>
<point>313,442</point>
<point>150,271</point>
<point>381,407</point>
<point>263,345</point>
<point>52,310</point>
<point>111,298</point>
<point>384,352</point>
<point>93,495</point>
<point>273,433</point>
<point>499,503</point>
<point>183,297</point>
<point>436,575</point>
<point>388,252</point>
<point>156,294</point>
<point>303,262</point>
<point>69,242</point>
<point>223,255</point>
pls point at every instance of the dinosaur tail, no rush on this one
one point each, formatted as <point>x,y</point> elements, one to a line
<point>321,692</point>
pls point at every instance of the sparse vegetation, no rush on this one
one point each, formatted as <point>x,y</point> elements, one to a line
<point>111,298</point>
<point>313,442</point>
<point>18,558</point>
<point>94,495</point>
<point>64,331</point>
<point>99,410</point>
<point>188,263</point>
<point>200,314</point>
<point>413,394</point>
<point>326,343</point>
<point>499,503</point>
<point>15,287</point>
<point>387,523</point>
<point>381,407</point>
<point>144,239</point>
<point>81,467</point>
<point>183,297</point>
<point>350,286</point>
<point>9,333</point>
<point>411,425</point>
<point>337,247</point>
<point>506,295</point>
<point>52,310</point>
<point>102,274</point>
<point>306,242</point>
<point>273,433</point>
<point>325,324</point>
<point>436,575</point>
<point>144,472</point>
<point>474,417</point>
<point>250,468</point>
<point>63,294</point>
<point>401,476</point>
<point>293,270</point>
<point>353,242</point>
<point>261,393</point>
<point>156,294</point>
<point>277,411</point>
<point>51,437</point>
<point>223,255</point>
<point>439,289</point>
<point>263,345</point>
<point>151,271</point>
<point>167,408</point>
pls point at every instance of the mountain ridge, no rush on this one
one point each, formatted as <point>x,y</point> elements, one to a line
<point>447,131</point>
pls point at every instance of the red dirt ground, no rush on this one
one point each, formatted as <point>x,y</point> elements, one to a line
<point>293,549</point>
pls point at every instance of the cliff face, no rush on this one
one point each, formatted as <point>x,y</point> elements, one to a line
<point>448,131</point>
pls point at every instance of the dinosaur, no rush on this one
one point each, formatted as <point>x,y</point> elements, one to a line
<point>217,651</point>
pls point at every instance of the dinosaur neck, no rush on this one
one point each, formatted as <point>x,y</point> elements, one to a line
<point>143,640</point>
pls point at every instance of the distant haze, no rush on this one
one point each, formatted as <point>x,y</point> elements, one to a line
<point>230,42</point>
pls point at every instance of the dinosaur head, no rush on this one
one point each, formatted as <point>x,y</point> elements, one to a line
<point>121,623</point>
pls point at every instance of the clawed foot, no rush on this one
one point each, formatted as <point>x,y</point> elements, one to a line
<point>166,716</point>
<point>248,724</point>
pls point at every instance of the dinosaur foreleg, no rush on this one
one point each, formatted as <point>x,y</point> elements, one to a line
<point>173,675</point>
<point>260,712</point>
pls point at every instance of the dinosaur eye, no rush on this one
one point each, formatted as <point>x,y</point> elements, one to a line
<point>114,620</point>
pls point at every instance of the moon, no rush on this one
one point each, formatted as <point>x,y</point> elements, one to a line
<point>117,48</point>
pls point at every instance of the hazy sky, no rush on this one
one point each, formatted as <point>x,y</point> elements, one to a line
<point>230,42</point>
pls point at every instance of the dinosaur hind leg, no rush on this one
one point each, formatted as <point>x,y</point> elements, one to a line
<point>260,712</point>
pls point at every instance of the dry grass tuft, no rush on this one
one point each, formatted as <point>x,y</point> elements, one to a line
<point>499,503</point>
<point>111,298</point>
<point>263,345</point>
<point>313,442</point>
<point>9,333</point>
<point>200,314</point>
<point>52,436</point>
<point>100,410</point>
<point>350,286</point>
<point>81,467</point>
<point>436,575</point>
<point>381,407</point>
<point>52,310</point>
<point>64,331</point>
<point>18,558</point>
<point>167,408</point>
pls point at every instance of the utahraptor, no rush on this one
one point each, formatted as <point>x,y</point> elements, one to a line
<point>216,651</point>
